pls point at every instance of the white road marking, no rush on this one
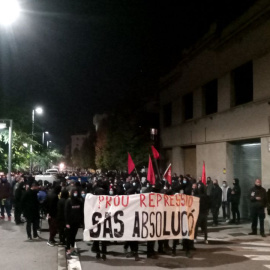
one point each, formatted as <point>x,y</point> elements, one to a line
<point>258,257</point>
<point>262,244</point>
<point>74,263</point>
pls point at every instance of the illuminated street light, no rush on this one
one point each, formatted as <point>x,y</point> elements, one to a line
<point>48,142</point>
<point>43,136</point>
<point>9,11</point>
<point>38,110</point>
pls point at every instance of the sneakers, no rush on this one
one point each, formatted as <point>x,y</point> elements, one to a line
<point>9,218</point>
<point>51,243</point>
<point>2,217</point>
<point>61,244</point>
<point>206,242</point>
<point>263,235</point>
<point>252,233</point>
<point>36,237</point>
<point>29,239</point>
<point>74,254</point>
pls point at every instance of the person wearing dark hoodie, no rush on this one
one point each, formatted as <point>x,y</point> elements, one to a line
<point>73,218</point>
<point>30,208</point>
<point>5,198</point>
<point>61,217</point>
<point>203,212</point>
<point>99,190</point>
<point>17,202</point>
<point>235,200</point>
<point>216,199</point>
<point>50,203</point>
<point>258,201</point>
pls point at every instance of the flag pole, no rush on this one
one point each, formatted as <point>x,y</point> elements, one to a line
<point>156,165</point>
<point>167,169</point>
<point>138,177</point>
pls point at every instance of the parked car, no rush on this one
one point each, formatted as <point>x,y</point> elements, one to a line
<point>45,178</point>
<point>52,171</point>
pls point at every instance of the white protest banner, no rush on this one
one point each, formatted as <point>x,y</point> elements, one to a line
<point>140,217</point>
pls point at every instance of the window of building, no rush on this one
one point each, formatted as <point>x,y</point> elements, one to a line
<point>242,84</point>
<point>167,114</point>
<point>188,106</point>
<point>210,97</point>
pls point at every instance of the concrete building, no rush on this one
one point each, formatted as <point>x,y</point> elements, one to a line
<point>215,106</point>
<point>77,141</point>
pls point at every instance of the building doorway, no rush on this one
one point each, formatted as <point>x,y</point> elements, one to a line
<point>246,167</point>
<point>190,161</point>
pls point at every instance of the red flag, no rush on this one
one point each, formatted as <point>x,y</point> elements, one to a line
<point>131,165</point>
<point>155,152</point>
<point>168,174</point>
<point>151,174</point>
<point>203,174</point>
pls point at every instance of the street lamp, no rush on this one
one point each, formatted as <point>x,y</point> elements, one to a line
<point>9,11</point>
<point>43,135</point>
<point>3,126</point>
<point>48,143</point>
<point>38,110</point>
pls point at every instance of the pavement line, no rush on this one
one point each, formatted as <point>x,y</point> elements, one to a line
<point>62,262</point>
<point>74,263</point>
<point>256,244</point>
<point>258,257</point>
<point>261,249</point>
<point>267,266</point>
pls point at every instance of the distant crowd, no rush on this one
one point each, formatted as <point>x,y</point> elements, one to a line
<point>62,204</point>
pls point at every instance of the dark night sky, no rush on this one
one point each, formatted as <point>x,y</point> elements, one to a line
<point>80,57</point>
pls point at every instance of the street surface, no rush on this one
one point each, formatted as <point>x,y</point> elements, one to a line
<point>229,247</point>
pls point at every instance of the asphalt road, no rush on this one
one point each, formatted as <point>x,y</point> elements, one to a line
<point>229,247</point>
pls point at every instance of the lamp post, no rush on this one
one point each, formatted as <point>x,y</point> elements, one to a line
<point>38,110</point>
<point>9,11</point>
<point>48,143</point>
<point>3,126</point>
<point>43,136</point>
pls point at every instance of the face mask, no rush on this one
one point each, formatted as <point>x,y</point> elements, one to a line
<point>148,185</point>
<point>134,184</point>
<point>111,192</point>
<point>83,195</point>
<point>75,194</point>
<point>184,182</point>
<point>224,185</point>
<point>165,187</point>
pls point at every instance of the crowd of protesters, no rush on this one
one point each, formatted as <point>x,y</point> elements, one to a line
<point>62,204</point>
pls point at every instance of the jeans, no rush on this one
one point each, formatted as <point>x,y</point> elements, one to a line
<point>226,210</point>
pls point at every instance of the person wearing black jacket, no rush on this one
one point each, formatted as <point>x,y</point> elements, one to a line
<point>258,201</point>
<point>50,203</point>
<point>17,202</point>
<point>30,208</point>
<point>216,197</point>
<point>61,216</point>
<point>73,218</point>
<point>203,213</point>
<point>235,200</point>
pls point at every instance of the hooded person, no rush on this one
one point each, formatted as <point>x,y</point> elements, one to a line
<point>61,216</point>
<point>17,201</point>
<point>5,198</point>
<point>50,204</point>
<point>30,208</point>
<point>235,201</point>
<point>73,219</point>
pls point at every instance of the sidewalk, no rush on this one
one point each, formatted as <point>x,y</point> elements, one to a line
<point>17,253</point>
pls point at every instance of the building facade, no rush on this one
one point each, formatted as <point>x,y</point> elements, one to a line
<point>215,106</point>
